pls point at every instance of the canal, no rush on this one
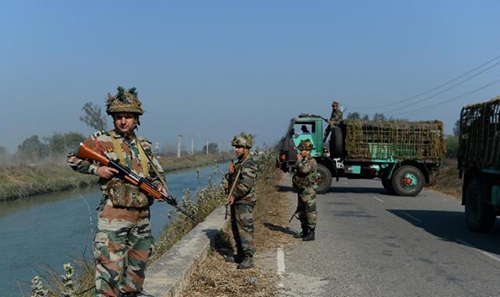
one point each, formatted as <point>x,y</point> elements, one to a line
<point>44,232</point>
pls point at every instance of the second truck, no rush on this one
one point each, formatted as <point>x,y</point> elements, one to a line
<point>479,163</point>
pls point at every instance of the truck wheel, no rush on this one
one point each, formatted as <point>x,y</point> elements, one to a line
<point>407,181</point>
<point>479,215</point>
<point>336,143</point>
<point>387,183</point>
<point>324,179</point>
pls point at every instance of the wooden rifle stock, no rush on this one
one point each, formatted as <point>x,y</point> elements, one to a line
<point>86,153</point>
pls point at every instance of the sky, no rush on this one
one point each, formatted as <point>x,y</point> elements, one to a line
<point>208,70</point>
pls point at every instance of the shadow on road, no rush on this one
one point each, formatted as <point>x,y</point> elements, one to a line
<point>278,228</point>
<point>450,226</point>
<point>361,190</point>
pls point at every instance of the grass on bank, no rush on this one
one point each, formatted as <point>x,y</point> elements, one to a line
<point>19,181</point>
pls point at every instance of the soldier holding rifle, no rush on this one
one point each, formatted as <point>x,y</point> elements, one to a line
<point>123,241</point>
<point>241,199</point>
<point>304,180</point>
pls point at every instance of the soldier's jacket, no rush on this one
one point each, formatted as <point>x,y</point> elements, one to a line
<point>103,143</point>
<point>305,174</point>
<point>336,116</point>
<point>244,191</point>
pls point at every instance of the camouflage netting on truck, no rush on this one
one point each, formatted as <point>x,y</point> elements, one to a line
<point>479,140</point>
<point>400,140</point>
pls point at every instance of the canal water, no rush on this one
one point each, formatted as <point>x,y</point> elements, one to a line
<point>44,232</point>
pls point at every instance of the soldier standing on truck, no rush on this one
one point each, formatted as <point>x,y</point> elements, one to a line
<point>335,119</point>
<point>242,200</point>
<point>304,180</point>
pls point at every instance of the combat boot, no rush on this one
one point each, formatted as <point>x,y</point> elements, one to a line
<point>246,263</point>
<point>134,294</point>
<point>305,231</point>
<point>235,258</point>
<point>310,235</point>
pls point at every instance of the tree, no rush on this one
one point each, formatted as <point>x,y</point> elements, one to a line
<point>62,143</point>
<point>379,117</point>
<point>213,148</point>
<point>31,150</point>
<point>4,155</point>
<point>366,118</point>
<point>456,128</point>
<point>93,116</point>
<point>354,116</point>
<point>451,143</point>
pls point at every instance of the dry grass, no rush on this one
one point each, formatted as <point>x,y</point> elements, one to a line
<point>448,181</point>
<point>215,277</point>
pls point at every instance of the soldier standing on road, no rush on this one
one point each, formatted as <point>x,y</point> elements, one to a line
<point>304,180</point>
<point>335,119</point>
<point>123,241</point>
<point>241,199</point>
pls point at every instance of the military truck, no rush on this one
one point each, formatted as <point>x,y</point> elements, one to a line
<point>403,155</point>
<point>479,163</point>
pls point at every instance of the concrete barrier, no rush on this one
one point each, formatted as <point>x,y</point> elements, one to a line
<point>170,274</point>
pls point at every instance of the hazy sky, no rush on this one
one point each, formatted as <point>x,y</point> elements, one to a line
<point>210,69</point>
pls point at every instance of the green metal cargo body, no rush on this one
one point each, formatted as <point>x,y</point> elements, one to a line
<point>479,163</point>
<point>404,155</point>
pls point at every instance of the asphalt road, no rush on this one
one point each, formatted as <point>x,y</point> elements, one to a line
<point>370,243</point>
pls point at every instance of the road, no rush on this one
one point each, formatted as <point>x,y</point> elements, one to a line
<point>370,243</point>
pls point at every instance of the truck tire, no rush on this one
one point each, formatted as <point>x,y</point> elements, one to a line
<point>324,179</point>
<point>336,143</point>
<point>407,181</point>
<point>387,183</point>
<point>479,215</point>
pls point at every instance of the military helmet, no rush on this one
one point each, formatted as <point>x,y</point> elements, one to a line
<point>335,103</point>
<point>243,139</point>
<point>305,145</point>
<point>124,101</point>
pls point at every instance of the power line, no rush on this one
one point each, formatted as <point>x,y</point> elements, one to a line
<point>449,100</point>
<point>445,90</point>
<point>438,87</point>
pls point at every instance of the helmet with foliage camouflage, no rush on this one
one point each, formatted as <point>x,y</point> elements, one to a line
<point>335,103</point>
<point>124,101</point>
<point>305,145</point>
<point>243,139</point>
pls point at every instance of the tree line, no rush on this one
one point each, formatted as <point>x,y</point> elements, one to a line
<point>34,150</point>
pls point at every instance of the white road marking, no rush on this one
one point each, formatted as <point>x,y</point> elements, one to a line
<point>411,217</point>
<point>378,199</point>
<point>489,255</point>
<point>280,257</point>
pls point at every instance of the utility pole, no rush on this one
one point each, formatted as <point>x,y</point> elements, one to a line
<point>179,144</point>
<point>207,147</point>
<point>192,146</point>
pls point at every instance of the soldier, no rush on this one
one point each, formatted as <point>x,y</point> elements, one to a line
<point>304,180</point>
<point>242,200</point>
<point>123,240</point>
<point>335,119</point>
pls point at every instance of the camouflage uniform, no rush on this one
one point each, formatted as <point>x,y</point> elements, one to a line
<point>335,117</point>
<point>242,223</point>
<point>123,240</point>
<point>304,180</point>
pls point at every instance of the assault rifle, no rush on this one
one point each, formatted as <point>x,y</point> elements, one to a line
<point>231,170</point>
<point>131,177</point>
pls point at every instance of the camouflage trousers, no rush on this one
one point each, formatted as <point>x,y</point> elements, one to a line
<point>122,246</point>
<point>242,227</point>
<point>306,207</point>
